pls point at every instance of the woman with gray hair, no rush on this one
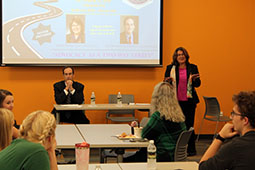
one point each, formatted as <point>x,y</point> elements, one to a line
<point>35,147</point>
<point>165,125</point>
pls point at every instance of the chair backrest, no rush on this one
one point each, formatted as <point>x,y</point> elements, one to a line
<point>212,106</point>
<point>126,98</point>
<point>182,145</point>
<point>144,121</point>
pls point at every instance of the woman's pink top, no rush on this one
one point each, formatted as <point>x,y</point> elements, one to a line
<point>182,85</point>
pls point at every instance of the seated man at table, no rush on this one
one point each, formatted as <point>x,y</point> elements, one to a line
<point>238,153</point>
<point>69,91</point>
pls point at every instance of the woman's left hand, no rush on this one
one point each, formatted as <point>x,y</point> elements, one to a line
<point>51,153</point>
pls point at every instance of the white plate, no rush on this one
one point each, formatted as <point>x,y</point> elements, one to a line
<point>126,138</point>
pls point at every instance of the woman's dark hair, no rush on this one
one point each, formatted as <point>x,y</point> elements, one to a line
<point>185,52</point>
<point>77,20</point>
<point>3,94</point>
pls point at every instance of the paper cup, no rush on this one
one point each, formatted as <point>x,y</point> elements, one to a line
<point>138,132</point>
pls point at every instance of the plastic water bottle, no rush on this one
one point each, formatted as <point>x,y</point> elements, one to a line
<point>151,156</point>
<point>119,99</point>
<point>221,113</point>
<point>93,98</point>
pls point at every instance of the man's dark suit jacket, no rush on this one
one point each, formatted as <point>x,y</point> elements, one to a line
<point>73,116</point>
<point>123,38</point>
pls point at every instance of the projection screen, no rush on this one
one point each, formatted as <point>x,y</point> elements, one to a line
<point>82,32</point>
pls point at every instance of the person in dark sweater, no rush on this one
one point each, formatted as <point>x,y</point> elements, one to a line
<point>238,153</point>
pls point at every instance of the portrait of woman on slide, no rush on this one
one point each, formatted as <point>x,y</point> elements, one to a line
<point>75,30</point>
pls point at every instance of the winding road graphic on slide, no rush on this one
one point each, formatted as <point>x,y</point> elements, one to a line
<point>14,43</point>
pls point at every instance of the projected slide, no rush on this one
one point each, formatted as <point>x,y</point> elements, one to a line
<point>81,32</point>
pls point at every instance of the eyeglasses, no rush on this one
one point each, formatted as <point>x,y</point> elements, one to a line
<point>180,54</point>
<point>236,114</point>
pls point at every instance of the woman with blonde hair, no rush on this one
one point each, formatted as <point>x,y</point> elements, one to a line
<point>6,122</point>
<point>165,125</point>
<point>35,148</point>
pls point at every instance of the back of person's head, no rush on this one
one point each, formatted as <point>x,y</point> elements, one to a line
<point>38,126</point>
<point>6,123</point>
<point>3,94</point>
<point>245,100</point>
<point>175,55</point>
<point>165,101</point>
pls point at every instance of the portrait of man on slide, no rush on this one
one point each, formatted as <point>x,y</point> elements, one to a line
<point>130,26</point>
<point>75,29</point>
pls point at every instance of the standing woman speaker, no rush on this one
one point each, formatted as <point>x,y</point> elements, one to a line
<point>185,77</point>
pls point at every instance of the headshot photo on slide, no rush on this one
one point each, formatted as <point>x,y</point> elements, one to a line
<point>129,28</point>
<point>75,28</point>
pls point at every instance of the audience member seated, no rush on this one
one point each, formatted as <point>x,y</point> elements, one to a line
<point>165,125</point>
<point>7,101</point>
<point>6,122</point>
<point>238,153</point>
<point>35,147</point>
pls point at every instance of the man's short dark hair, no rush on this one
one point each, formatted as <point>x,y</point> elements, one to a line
<point>66,68</point>
<point>245,100</point>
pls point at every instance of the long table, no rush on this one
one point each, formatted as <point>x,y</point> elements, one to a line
<point>138,166</point>
<point>91,167</point>
<point>161,166</point>
<point>134,106</point>
<point>103,136</point>
<point>67,136</point>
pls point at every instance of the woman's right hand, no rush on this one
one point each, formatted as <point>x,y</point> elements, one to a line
<point>134,124</point>
<point>168,79</point>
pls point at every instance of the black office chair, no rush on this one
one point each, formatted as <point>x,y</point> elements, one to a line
<point>144,121</point>
<point>212,113</point>
<point>121,115</point>
<point>180,153</point>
